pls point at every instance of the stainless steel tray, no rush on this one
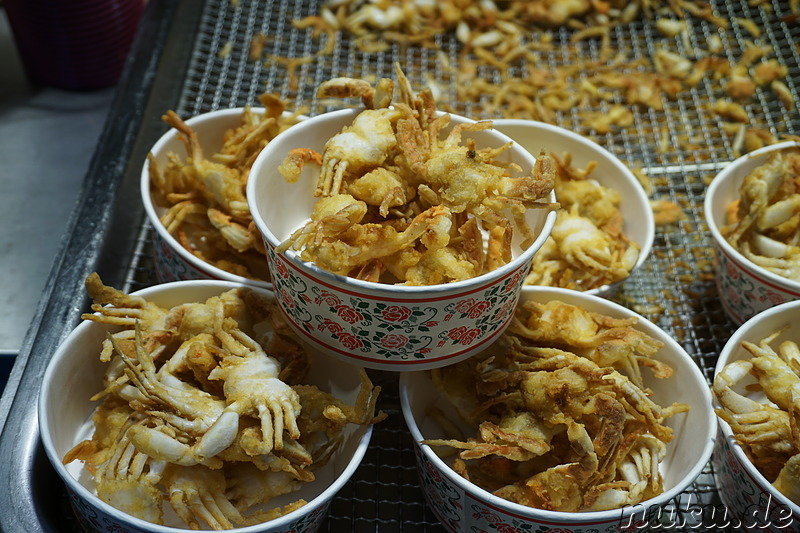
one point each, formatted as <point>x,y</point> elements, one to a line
<point>179,62</point>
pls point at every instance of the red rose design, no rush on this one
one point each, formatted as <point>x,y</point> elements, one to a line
<point>513,281</point>
<point>349,341</point>
<point>508,528</point>
<point>396,313</point>
<point>348,314</point>
<point>394,341</point>
<point>501,313</point>
<point>733,463</point>
<point>433,473</point>
<point>464,305</point>
<point>330,298</point>
<point>456,333</point>
<point>166,251</point>
<point>733,296</point>
<point>431,324</point>
<point>286,299</point>
<point>731,270</point>
<point>425,350</point>
<point>477,310</point>
<point>488,516</point>
<point>331,326</point>
<point>774,298</point>
<point>281,269</point>
<point>470,336</point>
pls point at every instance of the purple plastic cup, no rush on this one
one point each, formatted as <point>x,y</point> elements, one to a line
<point>74,44</point>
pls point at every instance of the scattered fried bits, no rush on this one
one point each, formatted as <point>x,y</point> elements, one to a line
<point>204,407</point>
<point>765,428</point>
<point>401,203</point>
<point>666,212</point>
<point>560,414</point>
<point>587,247</point>
<point>764,223</point>
<point>204,197</point>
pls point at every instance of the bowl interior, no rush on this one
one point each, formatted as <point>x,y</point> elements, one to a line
<point>75,373</point>
<point>279,208</point>
<point>210,128</point>
<point>694,432</point>
<point>782,317</point>
<point>638,221</point>
<point>724,190</point>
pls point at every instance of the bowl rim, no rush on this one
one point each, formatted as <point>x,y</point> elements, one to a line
<point>719,181</point>
<point>312,269</point>
<point>154,219</point>
<point>728,350</point>
<point>62,352</point>
<point>582,517</point>
<point>638,190</point>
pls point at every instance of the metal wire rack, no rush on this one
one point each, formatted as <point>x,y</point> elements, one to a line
<point>675,289</point>
<point>680,148</point>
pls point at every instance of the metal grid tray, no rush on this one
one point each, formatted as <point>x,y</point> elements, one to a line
<point>196,60</point>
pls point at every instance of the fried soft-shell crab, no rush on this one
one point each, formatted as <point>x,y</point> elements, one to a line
<point>198,414</point>
<point>558,415</point>
<point>398,197</point>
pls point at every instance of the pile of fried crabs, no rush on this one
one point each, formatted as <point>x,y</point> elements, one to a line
<point>757,398</point>
<point>556,414</point>
<point>205,406</point>
<point>402,202</point>
<point>202,196</point>
<point>764,222</point>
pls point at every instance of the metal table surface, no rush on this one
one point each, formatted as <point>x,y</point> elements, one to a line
<point>193,59</point>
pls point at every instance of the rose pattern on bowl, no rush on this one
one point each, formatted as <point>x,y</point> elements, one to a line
<point>752,505</point>
<point>367,328</point>
<point>169,266</point>
<point>94,520</point>
<point>460,512</point>
<point>745,294</point>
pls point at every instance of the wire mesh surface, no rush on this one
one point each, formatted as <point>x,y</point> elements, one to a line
<point>680,148</point>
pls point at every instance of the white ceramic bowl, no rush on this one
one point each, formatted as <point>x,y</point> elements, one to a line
<point>75,373</point>
<point>378,325</point>
<point>464,507</point>
<point>742,487</point>
<point>744,288</point>
<point>172,261</point>
<point>637,215</point>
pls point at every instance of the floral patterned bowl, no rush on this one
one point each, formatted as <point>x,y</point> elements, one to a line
<point>757,504</point>
<point>172,261</point>
<point>744,288</point>
<point>75,373</point>
<point>637,215</point>
<point>464,507</point>
<point>378,325</point>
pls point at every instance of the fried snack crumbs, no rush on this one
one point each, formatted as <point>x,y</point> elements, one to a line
<point>763,413</point>
<point>204,195</point>
<point>401,203</point>
<point>764,222</point>
<point>203,410</point>
<point>666,212</point>
<point>560,416</point>
<point>587,248</point>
